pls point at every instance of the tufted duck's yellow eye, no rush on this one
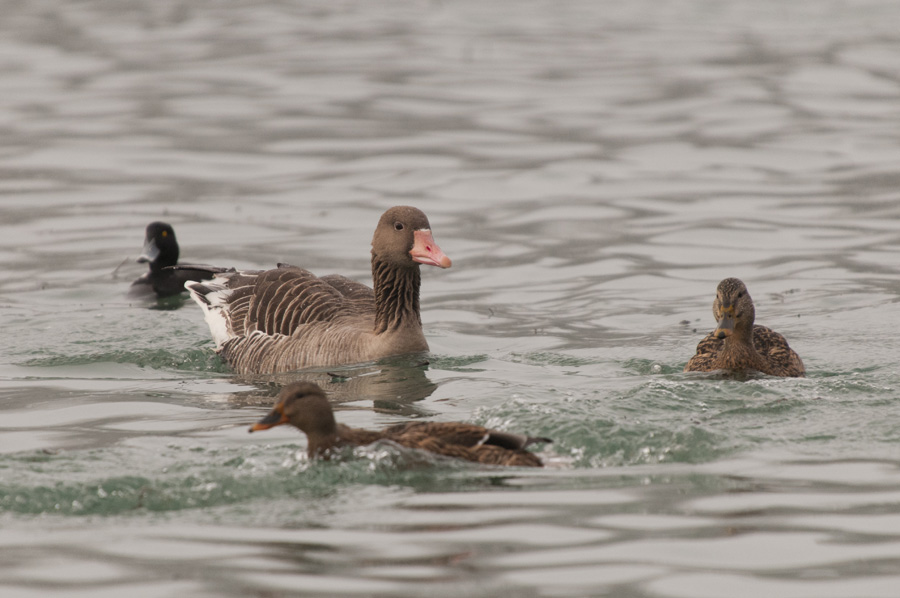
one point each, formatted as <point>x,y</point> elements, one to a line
<point>164,234</point>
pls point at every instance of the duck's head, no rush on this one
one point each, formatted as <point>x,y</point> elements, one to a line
<point>304,405</point>
<point>403,238</point>
<point>733,308</point>
<point>160,246</point>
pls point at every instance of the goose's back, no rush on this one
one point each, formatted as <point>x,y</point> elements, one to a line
<point>270,321</point>
<point>283,300</point>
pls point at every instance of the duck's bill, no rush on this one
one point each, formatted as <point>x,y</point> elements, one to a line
<point>426,251</point>
<point>150,252</point>
<point>274,418</point>
<point>725,327</point>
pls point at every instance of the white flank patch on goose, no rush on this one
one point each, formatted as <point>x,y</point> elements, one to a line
<point>215,308</point>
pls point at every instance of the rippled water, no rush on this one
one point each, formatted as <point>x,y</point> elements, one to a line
<point>593,169</point>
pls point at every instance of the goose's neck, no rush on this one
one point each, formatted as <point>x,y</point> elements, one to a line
<point>396,295</point>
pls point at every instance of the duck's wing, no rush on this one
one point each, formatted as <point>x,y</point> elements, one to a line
<point>487,454</point>
<point>707,351</point>
<point>781,359</point>
<point>495,455</point>
<point>357,436</point>
<point>171,280</point>
<point>462,434</point>
<point>513,441</point>
<point>200,271</point>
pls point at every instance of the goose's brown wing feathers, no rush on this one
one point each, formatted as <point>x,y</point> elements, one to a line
<point>256,317</point>
<point>351,290</point>
<point>279,301</point>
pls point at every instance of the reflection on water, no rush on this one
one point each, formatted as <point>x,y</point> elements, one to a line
<point>594,169</point>
<point>394,384</point>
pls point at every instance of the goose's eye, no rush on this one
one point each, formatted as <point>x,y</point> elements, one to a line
<point>398,226</point>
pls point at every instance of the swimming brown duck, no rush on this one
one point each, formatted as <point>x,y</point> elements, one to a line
<point>738,344</point>
<point>304,405</point>
<point>271,321</point>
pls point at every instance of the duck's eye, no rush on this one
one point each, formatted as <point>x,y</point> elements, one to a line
<point>741,294</point>
<point>398,226</point>
<point>164,234</point>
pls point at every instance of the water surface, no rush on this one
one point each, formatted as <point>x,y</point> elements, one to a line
<point>593,169</point>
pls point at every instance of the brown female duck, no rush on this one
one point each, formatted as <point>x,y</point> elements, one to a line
<point>279,320</point>
<point>303,405</point>
<point>738,344</point>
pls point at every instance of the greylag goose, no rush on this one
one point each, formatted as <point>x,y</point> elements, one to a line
<point>304,406</point>
<point>161,251</point>
<point>271,321</point>
<point>738,344</point>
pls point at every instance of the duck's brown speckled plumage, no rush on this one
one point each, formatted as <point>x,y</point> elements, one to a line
<point>304,405</point>
<point>739,344</point>
<point>288,318</point>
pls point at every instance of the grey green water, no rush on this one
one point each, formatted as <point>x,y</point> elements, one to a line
<point>593,169</point>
